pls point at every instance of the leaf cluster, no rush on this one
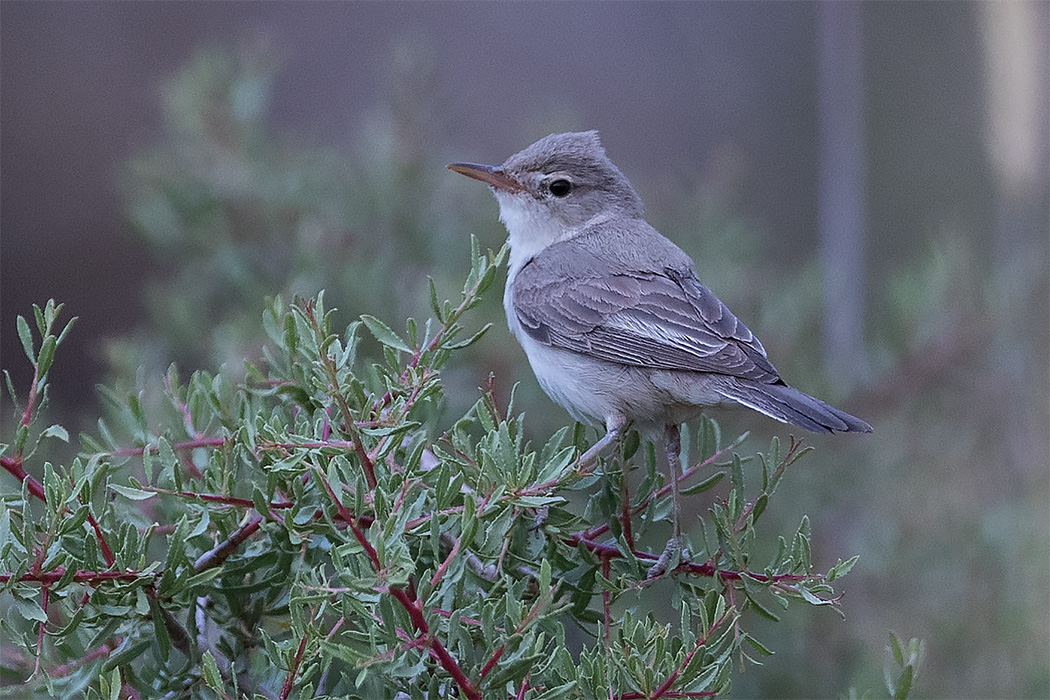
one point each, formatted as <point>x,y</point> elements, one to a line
<point>318,529</point>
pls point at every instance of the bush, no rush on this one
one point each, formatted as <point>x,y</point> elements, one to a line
<point>317,529</point>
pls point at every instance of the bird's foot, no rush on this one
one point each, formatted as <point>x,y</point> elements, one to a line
<point>672,556</point>
<point>614,427</point>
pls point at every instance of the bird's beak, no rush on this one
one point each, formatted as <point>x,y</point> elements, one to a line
<point>491,175</point>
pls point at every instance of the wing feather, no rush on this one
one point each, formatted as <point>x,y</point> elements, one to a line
<point>664,319</point>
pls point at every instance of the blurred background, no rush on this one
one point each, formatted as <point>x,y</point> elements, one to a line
<point>865,184</point>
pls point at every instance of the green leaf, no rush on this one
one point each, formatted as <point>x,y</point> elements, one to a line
<point>758,646</point>
<point>125,656</point>
<point>5,533</point>
<point>469,341</point>
<point>738,474</point>
<point>210,671</point>
<point>201,578</point>
<point>27,338</point>
<point>56,431</point>
<point>537,501</point>
<point>895,648</point>
<point>903,684</point>
<point>30,610</point>
<point>759,507</point>
<point>133,494</point>
<point>842,568</point>
<point>811,598</point>
<point>47,355</point>
<point>115,686</point>
<point>435,305</point>
<point>704,485</point>
<point>384,334</point>
<point>160,630</point>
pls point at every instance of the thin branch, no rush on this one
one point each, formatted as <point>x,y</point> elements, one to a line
<point>221,552</point>
<point>415,613</point>
<point>602,529</point>
<point>13,465</point>
<point>662,691</point>
<point>89,577</point>
<point>289,681</point>
<point>337,394</point>
<point>533,614</point>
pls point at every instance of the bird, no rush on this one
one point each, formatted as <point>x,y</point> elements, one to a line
<point>612,316</point>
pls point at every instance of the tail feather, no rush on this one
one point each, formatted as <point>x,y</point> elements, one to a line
<point>789,405</point>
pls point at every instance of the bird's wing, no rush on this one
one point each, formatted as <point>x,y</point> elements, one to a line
<point>663,319</point>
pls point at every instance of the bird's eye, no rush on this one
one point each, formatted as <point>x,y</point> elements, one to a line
<point>560,188</point>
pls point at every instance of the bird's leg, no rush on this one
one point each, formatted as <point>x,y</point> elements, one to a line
<point>614,427</point>
<point>669,557</point>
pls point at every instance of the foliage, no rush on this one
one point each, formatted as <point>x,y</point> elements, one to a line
<point>316,529</point>
<point>232,211</point>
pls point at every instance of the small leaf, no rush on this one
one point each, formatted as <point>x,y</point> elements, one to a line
<point>537,501</point>
<point>133,494</point>
<point>202,524</point>
<point>545,574</point>
<point>812,598</point>
<point>47,355</point>
<point>384,334</point>
<point>842,568</point>
<point>435,305</point>
<point>5,532</point>
<point>57,431</point>
<point>704,485</point>
<point>895,648</point>
<point>758,646</point>
<point>210,670</point>
<point>759,507</point>
<point>30,610</point>
<point>469,341</point>
<point>27,338</point>
<point>738,474</point>
<point>115,686</point>
<point>904,683</point>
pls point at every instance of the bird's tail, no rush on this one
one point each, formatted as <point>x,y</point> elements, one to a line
<point>789,405</point>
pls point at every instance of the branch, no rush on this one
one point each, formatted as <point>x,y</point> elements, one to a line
<point>221,552</point>
<point>337,394</point>
<point>602,529</point>
<point>13,465</point>
<point>289,681</point>
<point>662,691</point>
<point>437,650</point>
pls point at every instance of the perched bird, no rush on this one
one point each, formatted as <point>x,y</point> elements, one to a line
<point>617,326</point>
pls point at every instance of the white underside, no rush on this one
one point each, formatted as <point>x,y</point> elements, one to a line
<point>594,391</point>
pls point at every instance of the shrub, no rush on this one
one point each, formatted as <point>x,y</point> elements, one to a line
<point>319,529</point>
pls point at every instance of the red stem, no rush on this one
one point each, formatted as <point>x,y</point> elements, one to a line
<point>221,552</point>
<point>437,650</point>
<point>91,577</point>
<point>286,689</point>
<point>13,465</point>
<point>662,691</point>
<point>107,553</point>
<point>27,416</point>
<point>602,529</point>
<point>445,564</point>
<point>491,663</point>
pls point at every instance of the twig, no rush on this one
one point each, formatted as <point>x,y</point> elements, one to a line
<point>289,681</point>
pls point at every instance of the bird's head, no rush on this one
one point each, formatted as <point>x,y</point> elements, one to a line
<point>555,187</point>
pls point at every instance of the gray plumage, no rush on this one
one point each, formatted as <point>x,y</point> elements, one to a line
<point>612,315</point>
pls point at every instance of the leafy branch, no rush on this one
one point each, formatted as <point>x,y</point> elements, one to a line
<point>315,528</point>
